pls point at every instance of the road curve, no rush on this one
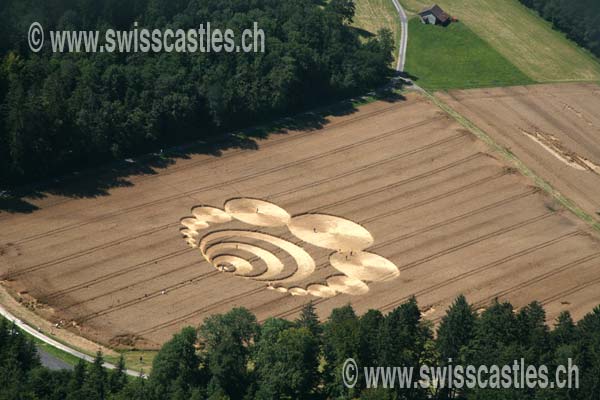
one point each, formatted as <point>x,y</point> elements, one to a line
<point>404,36</point>
<point>39,335</point>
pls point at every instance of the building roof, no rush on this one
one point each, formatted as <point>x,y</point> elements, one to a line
<point>437,12</point>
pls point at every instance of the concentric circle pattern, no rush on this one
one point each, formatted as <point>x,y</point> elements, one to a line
<point>285,266</point>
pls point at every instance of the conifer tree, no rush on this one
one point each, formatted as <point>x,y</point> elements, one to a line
<point>309,319</point>
<point>456,330</point>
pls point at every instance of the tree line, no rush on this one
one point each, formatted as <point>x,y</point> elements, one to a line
<point>579,19</point>
<point>60,112</point>
<point>231,356</point>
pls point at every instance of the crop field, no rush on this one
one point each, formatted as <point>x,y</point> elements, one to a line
<point>393,200</point>
<point>554,129</point>
<point>373,15</point>
<point>522,37</point>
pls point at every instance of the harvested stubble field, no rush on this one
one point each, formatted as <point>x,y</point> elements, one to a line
<point>426,193</point>
<point>554,129</point>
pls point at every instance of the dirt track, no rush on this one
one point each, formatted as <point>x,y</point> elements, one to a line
<point>554,129</point>
<point>451,217</point>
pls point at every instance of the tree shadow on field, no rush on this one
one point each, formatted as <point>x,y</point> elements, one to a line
<point>97,182</point>
<point>363,33</point>
<point>407,79</point>
<point>12,204</point>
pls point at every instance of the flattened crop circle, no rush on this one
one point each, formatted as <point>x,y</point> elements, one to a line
<point>330,232</point>
<point>257,212</point>
<point>286,265</point>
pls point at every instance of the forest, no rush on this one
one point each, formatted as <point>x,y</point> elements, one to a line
<point>231,356</point>
<point>63,112</point>
<point>579,19</point>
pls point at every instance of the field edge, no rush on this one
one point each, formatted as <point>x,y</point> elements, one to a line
<point>516,161</point>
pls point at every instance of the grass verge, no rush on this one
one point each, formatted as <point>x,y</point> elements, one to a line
<point>137,360</point>
<point>53,351</point>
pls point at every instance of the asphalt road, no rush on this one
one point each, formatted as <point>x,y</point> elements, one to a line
<point>41,336</point>
<point>404,36</point>
<point>51,362</point>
